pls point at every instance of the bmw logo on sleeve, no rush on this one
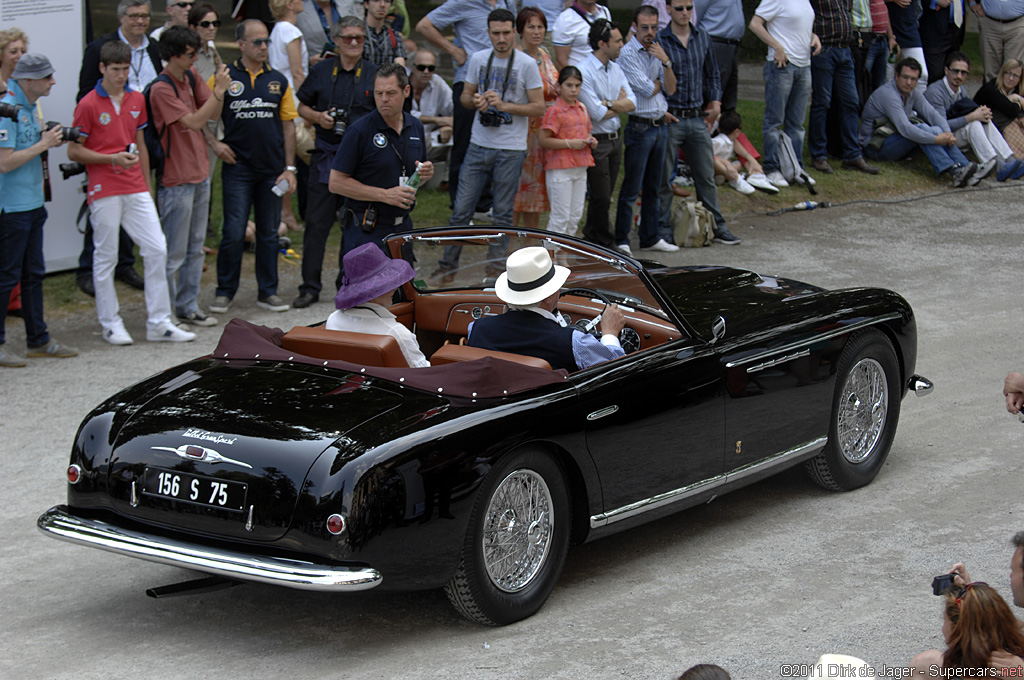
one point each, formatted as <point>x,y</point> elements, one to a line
<point>380,140</point>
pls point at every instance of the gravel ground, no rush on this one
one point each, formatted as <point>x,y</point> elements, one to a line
<point>773,575</point>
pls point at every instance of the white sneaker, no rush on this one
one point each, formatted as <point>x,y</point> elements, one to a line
<point>117,335</point>
<point>663,246</point>
<point>168,332</point>
<point>759,181</point>
<point>741,185</point>
<point>777,179</point>
<point>624,247</point>
<point>810,180</point>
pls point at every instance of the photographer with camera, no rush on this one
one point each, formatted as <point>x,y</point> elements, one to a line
<point>504,86</point>
<point>22,215</point>
<point>337,93</point>
<point>111,118</point>
<point>381,161</point>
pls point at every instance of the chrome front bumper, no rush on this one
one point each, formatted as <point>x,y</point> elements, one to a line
<point>920,385</point>
<point>60,523</point>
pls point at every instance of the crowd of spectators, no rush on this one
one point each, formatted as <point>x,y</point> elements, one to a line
<point>657,97</point>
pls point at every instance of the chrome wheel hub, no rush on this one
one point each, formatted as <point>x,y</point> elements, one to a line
<point>518,529</point>
<point>863,405</point>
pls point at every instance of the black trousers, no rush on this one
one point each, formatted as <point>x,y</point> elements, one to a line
<point>322,208</point>
<point>600,181</point>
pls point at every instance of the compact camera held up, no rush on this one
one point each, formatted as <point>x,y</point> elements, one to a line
<point>492,117</point>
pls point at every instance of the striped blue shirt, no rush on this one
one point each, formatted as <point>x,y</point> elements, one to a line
<point>602,82</point>
<point>642,71</point>
<point>695,68</point>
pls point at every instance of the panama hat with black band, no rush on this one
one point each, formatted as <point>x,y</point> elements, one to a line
<point>530,277</point>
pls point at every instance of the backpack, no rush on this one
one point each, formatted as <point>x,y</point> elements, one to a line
<point>153,137</point>
<point>693,224</point>
<point>789,164</point>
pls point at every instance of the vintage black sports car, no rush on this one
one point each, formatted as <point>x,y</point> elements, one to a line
<point>316,459</point>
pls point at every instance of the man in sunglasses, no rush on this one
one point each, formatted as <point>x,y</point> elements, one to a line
<point>693,62</point>
<point>177,15</point>
<point>432,104</point>
<point>336,94</point>
<point>259,155</point>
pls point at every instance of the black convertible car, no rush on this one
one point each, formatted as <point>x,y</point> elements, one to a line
<point>317,459</point>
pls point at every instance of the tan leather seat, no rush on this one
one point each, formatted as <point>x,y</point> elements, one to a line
<point>365,349</point>
<point>451,353</point>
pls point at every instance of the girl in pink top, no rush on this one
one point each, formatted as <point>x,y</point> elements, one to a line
<point>565,134</point>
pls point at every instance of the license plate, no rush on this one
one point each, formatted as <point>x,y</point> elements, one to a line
<point>182,486</point>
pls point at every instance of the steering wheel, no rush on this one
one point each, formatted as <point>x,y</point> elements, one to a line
<point>583,324</point>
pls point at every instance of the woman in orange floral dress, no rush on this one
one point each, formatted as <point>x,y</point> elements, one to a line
<point>532,198</point>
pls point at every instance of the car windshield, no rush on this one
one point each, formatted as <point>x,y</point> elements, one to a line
<point>480,258</point>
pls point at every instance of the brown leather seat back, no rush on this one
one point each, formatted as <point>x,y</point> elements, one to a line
<point>365,349</point>
<point>452,353</point>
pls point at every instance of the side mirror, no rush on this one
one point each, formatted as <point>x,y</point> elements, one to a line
<point>717,330</point>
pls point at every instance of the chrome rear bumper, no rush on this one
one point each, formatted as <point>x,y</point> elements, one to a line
<point>60,523</point>
<point>920,385</point>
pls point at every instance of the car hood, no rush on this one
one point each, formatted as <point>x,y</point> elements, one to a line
<point>702,293</point>
<point>259,425</point>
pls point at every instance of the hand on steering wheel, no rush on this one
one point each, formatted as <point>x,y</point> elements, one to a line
<point>591,325</point>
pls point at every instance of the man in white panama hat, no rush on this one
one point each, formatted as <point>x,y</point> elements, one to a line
<point>530,285</point>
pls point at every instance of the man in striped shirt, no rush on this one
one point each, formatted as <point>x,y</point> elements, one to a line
<point>649,72</point>
<point>693,63</point>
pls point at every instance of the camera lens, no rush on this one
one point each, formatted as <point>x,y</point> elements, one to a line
<point>9,110</point>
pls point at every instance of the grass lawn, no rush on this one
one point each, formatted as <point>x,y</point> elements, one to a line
<point>904,178</point>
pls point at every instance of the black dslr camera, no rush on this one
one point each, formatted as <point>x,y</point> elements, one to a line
<point>340,117</point>
<point>68,134</point>
<point>9,110</point>
<point>492,117</point>
<point>943,584</point>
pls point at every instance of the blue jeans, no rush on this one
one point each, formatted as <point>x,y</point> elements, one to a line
<point>876,62</point>
<point>690,134</point>
<point>897,146</point>
<point>832,72</point>
<point>21,259</point>
<point>184,213</point>
<point>785,95</point>
<point>245,187</point>
<point>645,160</point>
<point>480,167</point>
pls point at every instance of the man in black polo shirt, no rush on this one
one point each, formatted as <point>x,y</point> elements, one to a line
<point>376,158</point>
<point>344,86</point>
<point>258,153</point>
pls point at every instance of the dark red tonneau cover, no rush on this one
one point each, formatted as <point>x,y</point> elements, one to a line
<point>482,378</point>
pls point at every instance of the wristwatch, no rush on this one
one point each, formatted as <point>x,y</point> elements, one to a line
<point>667,63</point>
<point>291,168</point>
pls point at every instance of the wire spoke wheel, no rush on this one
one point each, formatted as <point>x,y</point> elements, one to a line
<point>862,410</point>
<point>517,530</point>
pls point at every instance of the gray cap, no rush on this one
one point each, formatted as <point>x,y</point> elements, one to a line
<point>33,67</point>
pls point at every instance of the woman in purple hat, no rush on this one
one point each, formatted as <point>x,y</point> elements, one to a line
<point>371,279</point>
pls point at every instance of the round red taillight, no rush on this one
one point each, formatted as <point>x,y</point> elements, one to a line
<point>74,474</point>
<point>335,524</point>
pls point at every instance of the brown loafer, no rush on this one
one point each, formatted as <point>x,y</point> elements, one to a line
<point>822,165</point>
<point>862,165</point>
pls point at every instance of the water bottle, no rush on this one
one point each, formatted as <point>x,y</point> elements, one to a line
<point>414,180</point>
<point>806,205</point>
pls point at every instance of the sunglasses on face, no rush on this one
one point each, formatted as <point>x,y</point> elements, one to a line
<point>183,5</point>
<point>683,8</point>
<point>260,42</point>
<point>206,24</point>
<point>353,39</point>
<point>959,71</point>
<point>426,67</point>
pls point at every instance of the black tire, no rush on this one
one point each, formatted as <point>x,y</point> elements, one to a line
<point>859,439</point>
<point>503,594</point>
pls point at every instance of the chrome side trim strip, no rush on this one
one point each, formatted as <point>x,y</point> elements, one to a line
<point>772,461</point>
<point>813,339</point>
<point>59,523</point>
<point>780,360</point>
<point>627,511</point>
<point>602,412</point>
<point>676,495</point>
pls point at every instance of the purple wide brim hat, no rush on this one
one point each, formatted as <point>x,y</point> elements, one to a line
<point>369,273</point>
